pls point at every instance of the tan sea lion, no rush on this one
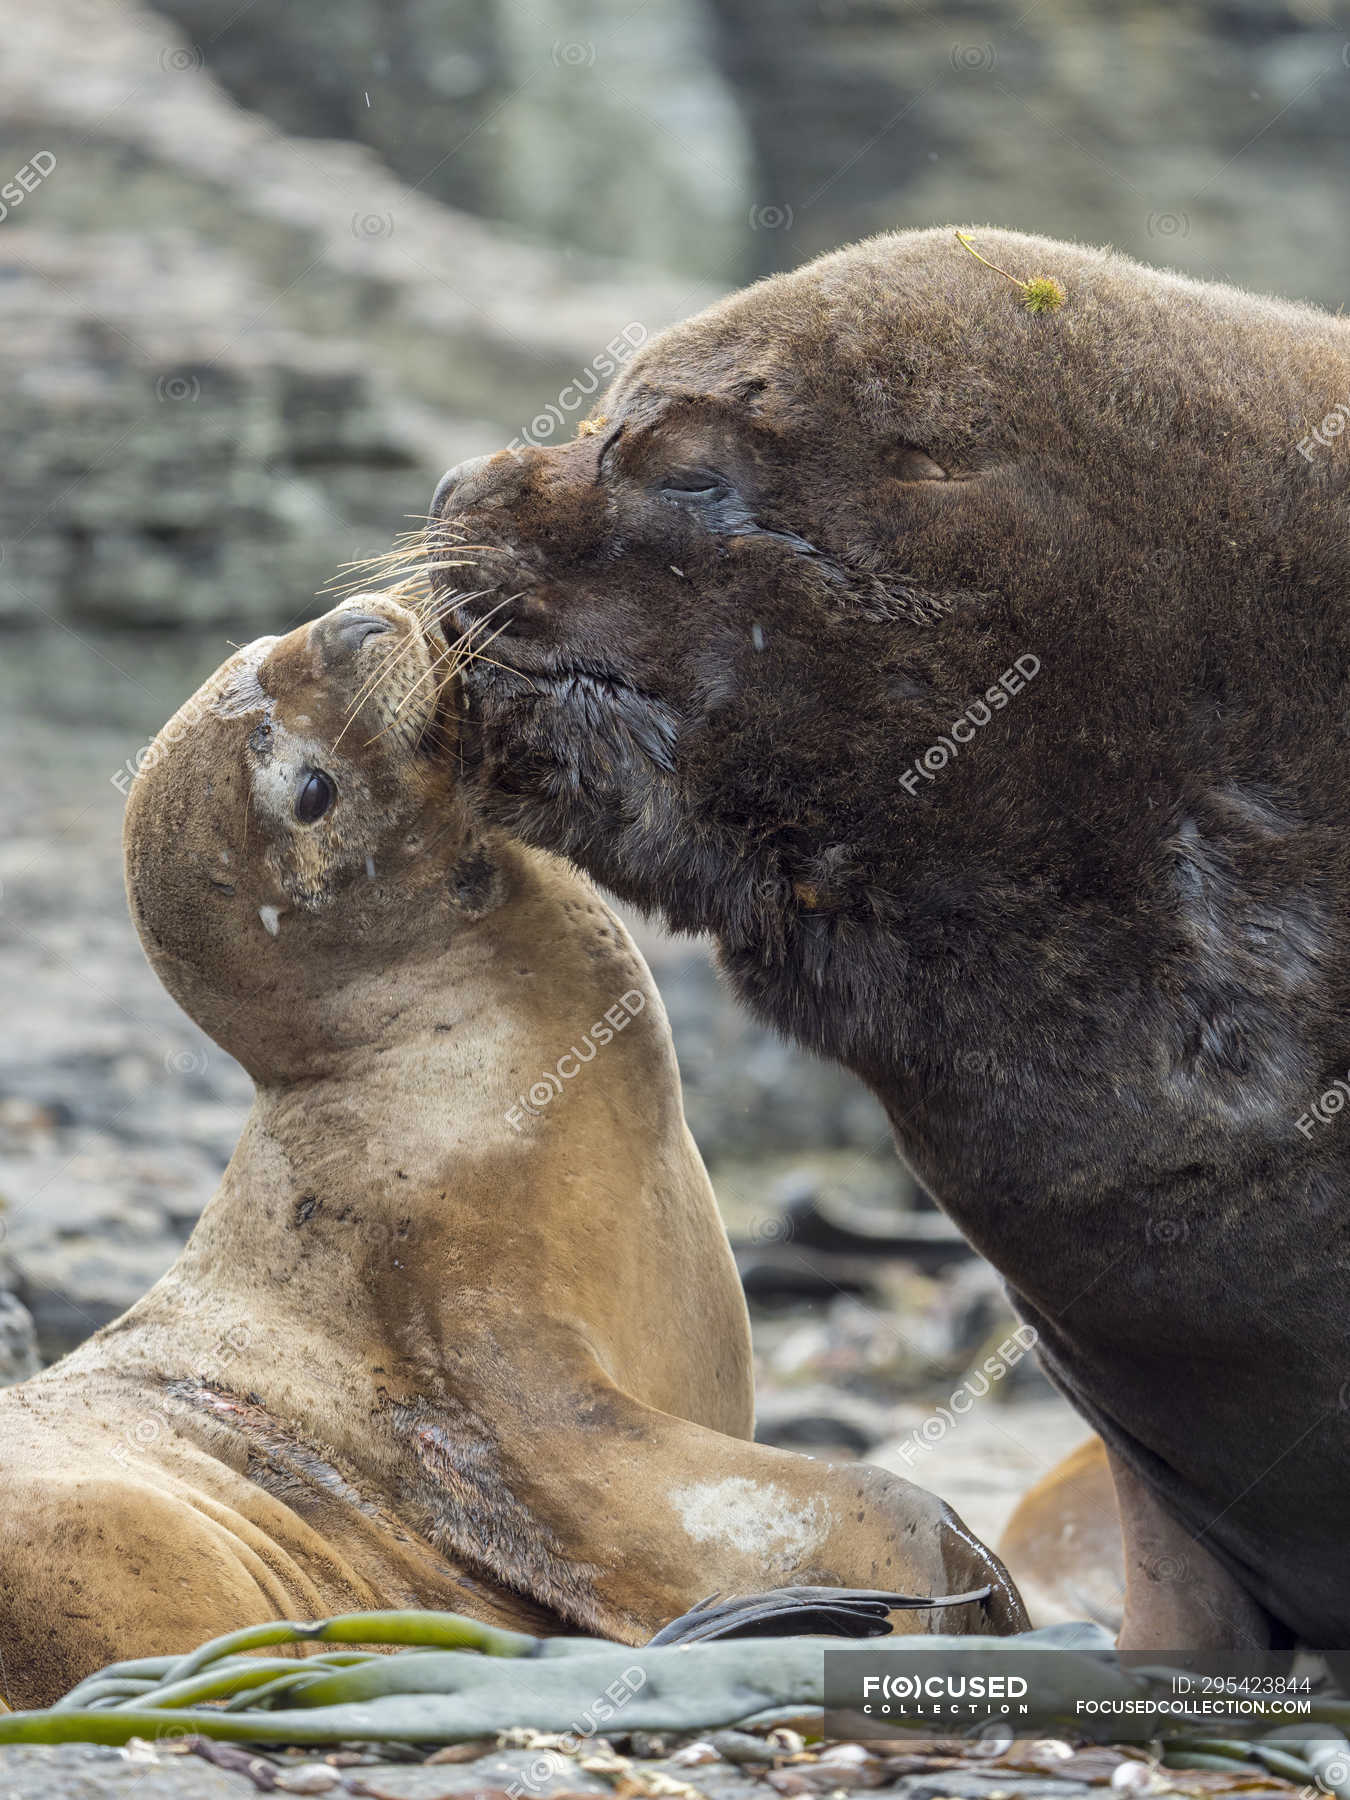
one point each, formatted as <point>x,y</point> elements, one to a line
<point>1062,1545</point>
<point>980,677</point>
<point>430,1343</point>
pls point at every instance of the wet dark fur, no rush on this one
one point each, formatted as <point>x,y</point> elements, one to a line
<point>1097,968</point>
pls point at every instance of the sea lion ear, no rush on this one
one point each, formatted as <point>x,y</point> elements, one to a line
<point>908,463</point>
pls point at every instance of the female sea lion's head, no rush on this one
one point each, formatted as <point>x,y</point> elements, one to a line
<point>810,529</point>
<point>297,827</point>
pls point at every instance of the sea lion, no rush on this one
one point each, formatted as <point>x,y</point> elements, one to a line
<point>429,1344</point>
<point>1062,1545</point>
<point>979,676</point>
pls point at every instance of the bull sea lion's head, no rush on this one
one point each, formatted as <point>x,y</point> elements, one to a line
<point>811,529</point>
<point>297,828</point>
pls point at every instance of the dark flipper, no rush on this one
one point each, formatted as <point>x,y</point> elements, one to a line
<point>801,1611</point>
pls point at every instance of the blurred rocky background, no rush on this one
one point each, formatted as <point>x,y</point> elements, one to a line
<point>266,270</point>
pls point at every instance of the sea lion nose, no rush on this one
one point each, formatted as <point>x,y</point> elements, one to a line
<point>454,478</point>
<point>349,630</point>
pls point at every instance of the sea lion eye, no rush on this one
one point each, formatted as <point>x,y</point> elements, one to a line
<point>317,793</point>
<point>694,484</point>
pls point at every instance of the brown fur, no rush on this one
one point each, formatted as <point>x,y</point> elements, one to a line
<point>1098,966</point>
<point>1062,1544</point>
<point>411,1355</point>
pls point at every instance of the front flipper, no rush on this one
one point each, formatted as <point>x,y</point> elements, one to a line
<point>803,1612</point>
<point>621,1518</point>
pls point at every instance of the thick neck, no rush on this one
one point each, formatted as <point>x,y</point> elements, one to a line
<point>387,1180</point>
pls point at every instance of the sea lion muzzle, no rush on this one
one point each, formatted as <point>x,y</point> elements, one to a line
<point>1085,936</point>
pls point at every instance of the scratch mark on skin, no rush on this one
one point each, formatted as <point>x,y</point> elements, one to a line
<point>758,1518</point>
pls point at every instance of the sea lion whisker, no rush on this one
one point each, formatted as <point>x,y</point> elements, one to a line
<point>392,661</point>
<point>474,653</point>
<point>386,668</point>
<point>442,657</point>
<point>373,683</point>
<point>465,637</point>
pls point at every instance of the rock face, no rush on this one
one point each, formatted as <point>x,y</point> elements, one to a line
<point>730,138</point>
<point>18,1342</point>
<point>1210,137</point>
<point>235,358</point>
<point>234,361</point>
<point>160,469</point>
<point>593,123</point>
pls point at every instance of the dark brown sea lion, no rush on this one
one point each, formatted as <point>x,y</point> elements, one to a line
<point>981,679</point>
<point>429,1345</point>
